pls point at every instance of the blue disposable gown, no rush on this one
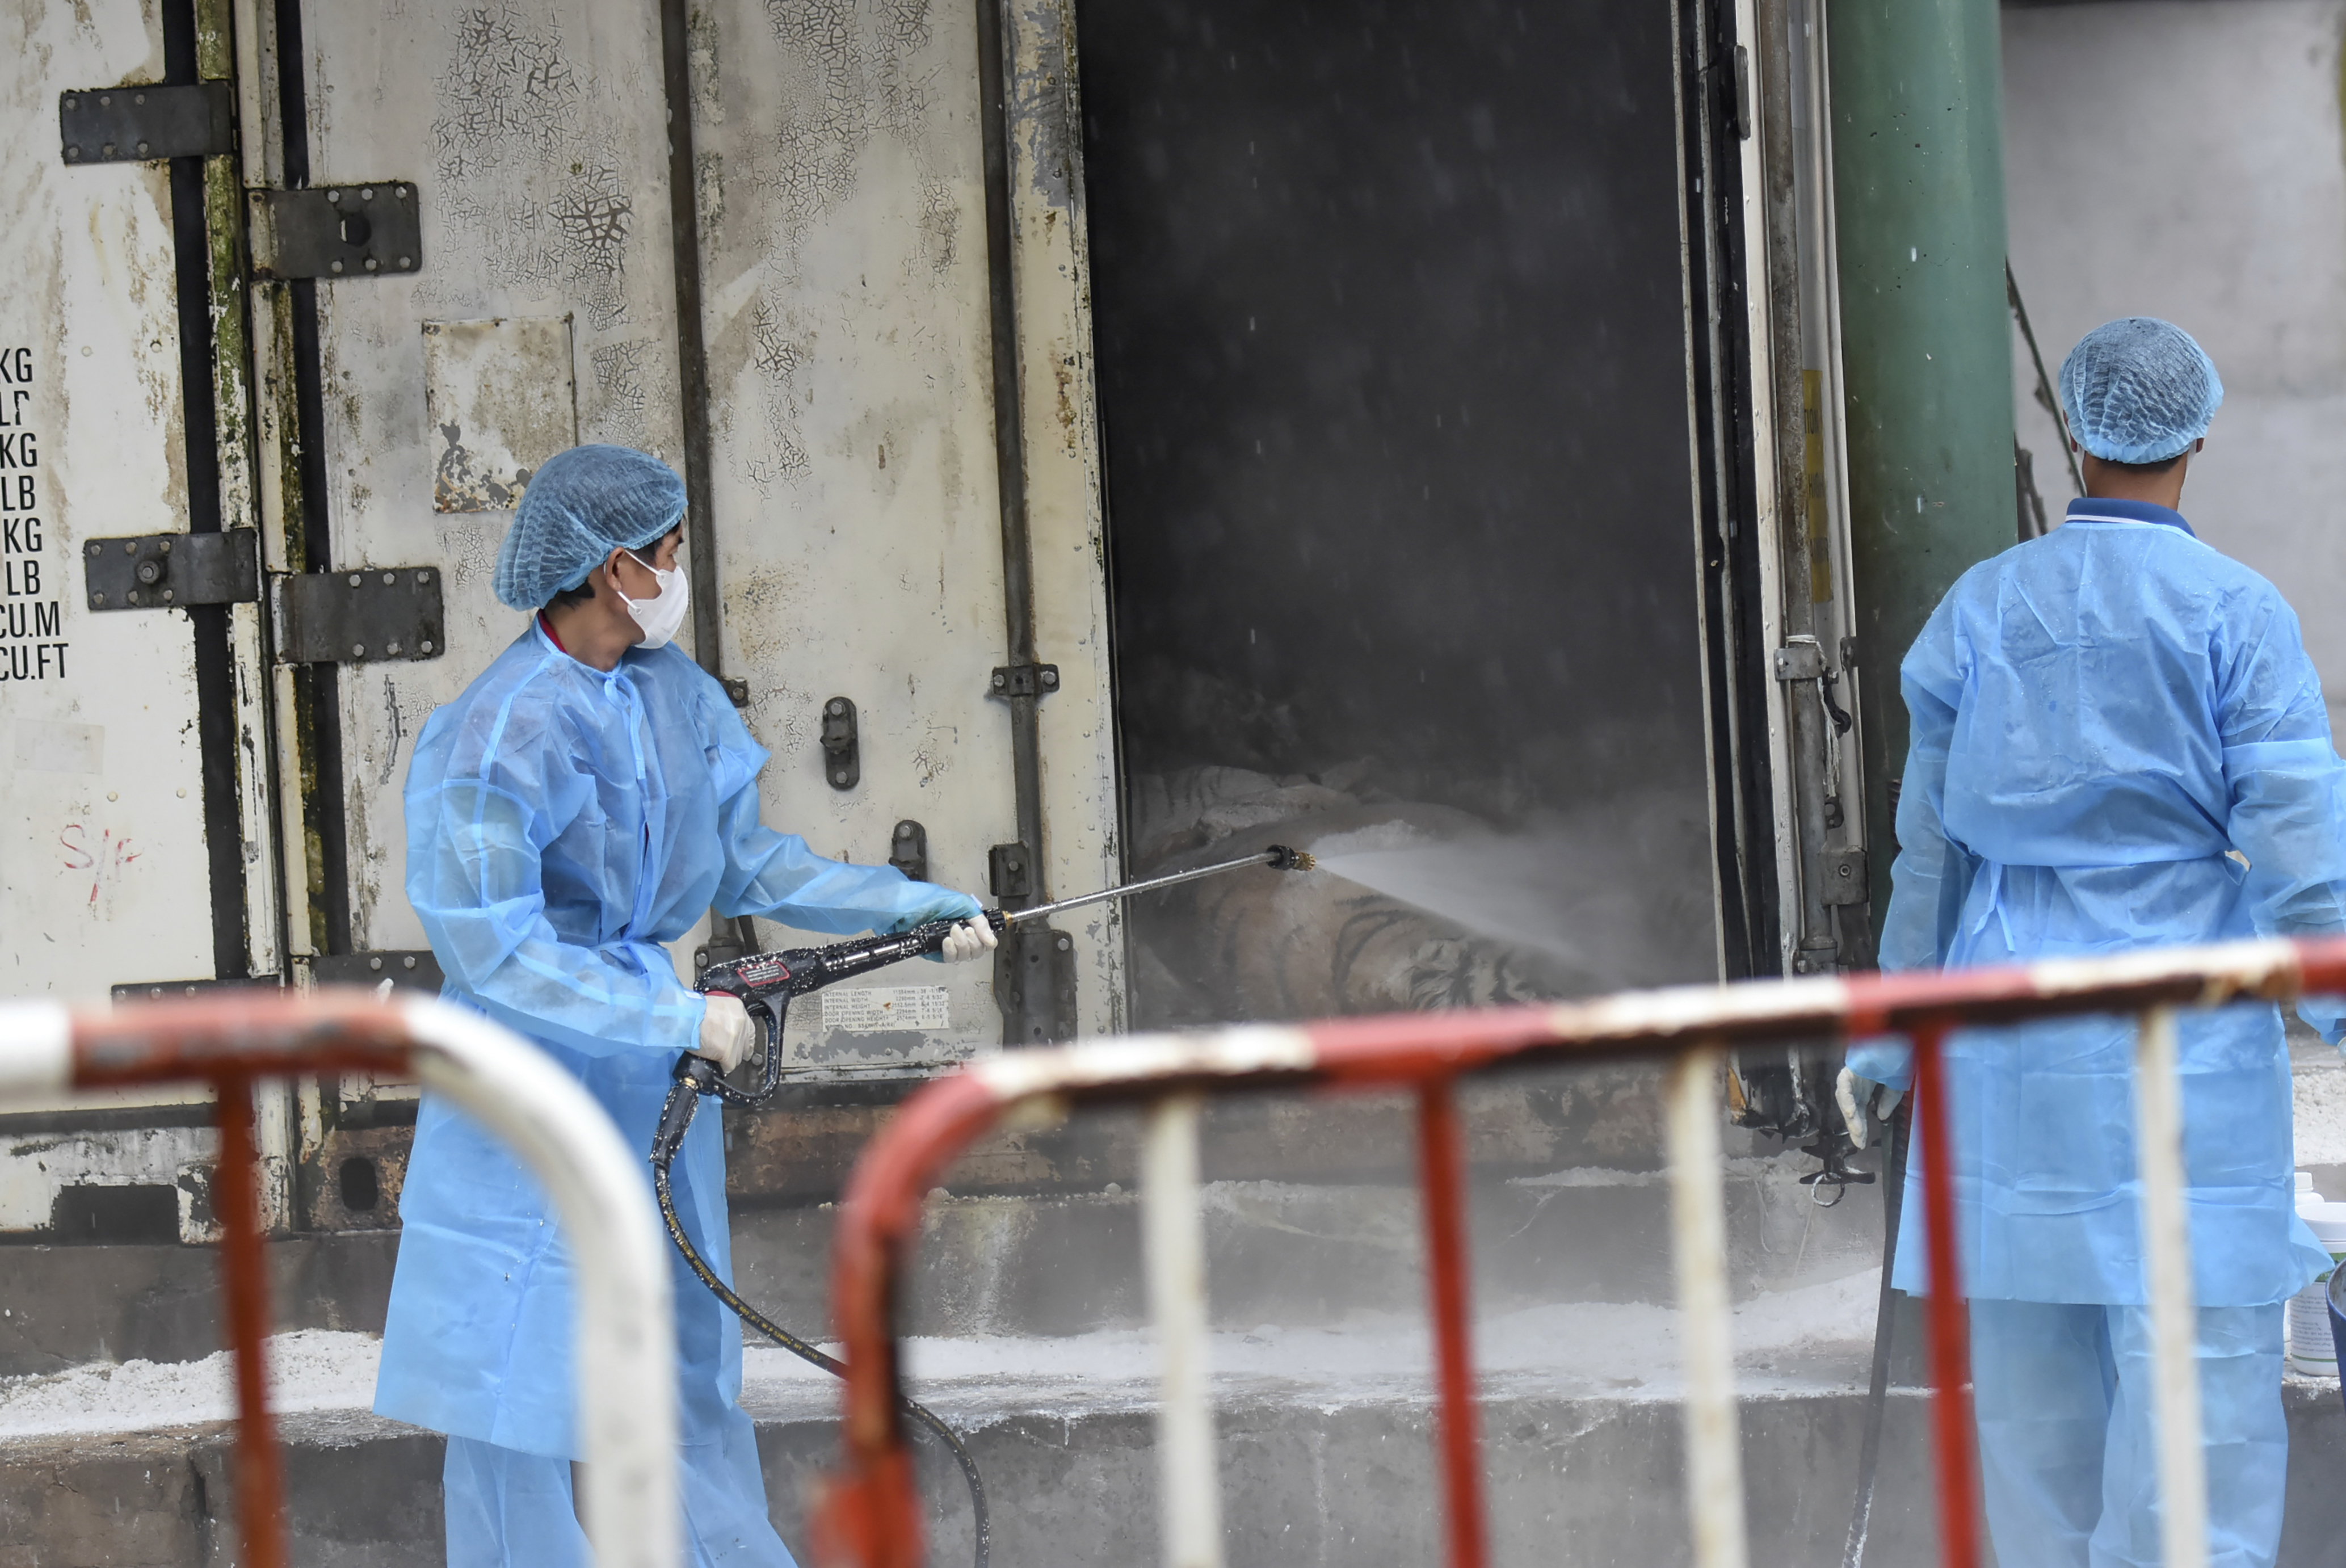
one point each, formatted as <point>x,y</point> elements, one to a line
<point>2118,742</point>
<point>562,825</point>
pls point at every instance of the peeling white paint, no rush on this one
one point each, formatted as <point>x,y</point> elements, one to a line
<point>102,845</point>
<point>503,397</point>
<point>34,1168</point>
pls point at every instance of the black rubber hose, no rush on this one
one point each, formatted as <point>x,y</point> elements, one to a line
<point>1869,1453</point>
<point>980,1520</point>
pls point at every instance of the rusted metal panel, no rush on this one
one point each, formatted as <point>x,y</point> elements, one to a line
<point>101,806</point>
<point>503,396</point>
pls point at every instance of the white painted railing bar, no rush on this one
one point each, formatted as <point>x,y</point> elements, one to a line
<point>1173,1241</point>
<point>625,1345</point>
<point>2173,1313</point>
<point>1698,1248</point>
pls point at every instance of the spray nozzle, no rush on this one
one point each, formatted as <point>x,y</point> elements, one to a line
<point>1284,858</point>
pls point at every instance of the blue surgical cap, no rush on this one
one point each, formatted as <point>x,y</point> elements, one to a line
<point>2139,389</point>
<point>580,506</point>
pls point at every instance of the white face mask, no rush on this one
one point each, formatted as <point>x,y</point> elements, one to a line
<point>662,615</point>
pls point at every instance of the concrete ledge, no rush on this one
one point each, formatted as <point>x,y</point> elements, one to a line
<point>1574,1482</point>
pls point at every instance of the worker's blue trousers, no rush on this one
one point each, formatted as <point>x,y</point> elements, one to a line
<point>508,1509</point>
<point>2067,1447</point>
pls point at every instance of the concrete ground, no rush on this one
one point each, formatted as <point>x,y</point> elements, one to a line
<point>1339,1478</point>
<point>1326,1446</point>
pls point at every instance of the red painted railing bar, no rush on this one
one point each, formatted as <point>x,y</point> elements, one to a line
<point>870,1512</point>
<point>1441,1167</point>
<point>1950,1330</point>
<point>237,1204</point>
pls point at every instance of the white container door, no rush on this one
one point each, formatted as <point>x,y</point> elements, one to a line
<point>107,871</point>
<point>838,279</point>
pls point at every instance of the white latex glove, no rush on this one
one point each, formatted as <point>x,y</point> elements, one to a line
<point>1865,1104</point>
<point>727,1036</point>
<point>970,938</point>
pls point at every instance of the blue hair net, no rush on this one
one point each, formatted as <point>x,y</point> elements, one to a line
<point>580,506</point>
<point>2139,389</point>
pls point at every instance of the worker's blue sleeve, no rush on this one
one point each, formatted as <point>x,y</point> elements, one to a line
<point>1933,873</point>
<point>475,875</point>
<point>777,876</point>
<point>2285,782</point>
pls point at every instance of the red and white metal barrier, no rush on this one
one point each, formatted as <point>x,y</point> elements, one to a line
<point>626,1349</point>
<point>869,1516</point>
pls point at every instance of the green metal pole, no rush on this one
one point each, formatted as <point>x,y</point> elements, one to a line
<point>1917,103</point>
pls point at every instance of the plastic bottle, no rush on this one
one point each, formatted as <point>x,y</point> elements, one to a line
<point>2306,1198</point>
<point>2310,1350</point>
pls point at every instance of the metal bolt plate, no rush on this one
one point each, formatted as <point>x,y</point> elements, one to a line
<point>407,968</point>
<point>1025,680</point>
<point>365,616</point>
<point>337,231</point>
<point>172,571</point>
<point>134,123</point>
<point>842,756</point>
<point>1035,985</point>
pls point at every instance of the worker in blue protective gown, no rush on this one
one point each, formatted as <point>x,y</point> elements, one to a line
<point>587,799</point>
<point>2118,742</point>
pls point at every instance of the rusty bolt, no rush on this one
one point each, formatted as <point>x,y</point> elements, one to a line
<point>358,650</point>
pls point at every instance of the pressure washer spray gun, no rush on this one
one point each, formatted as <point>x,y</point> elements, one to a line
<point>765,983</point>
